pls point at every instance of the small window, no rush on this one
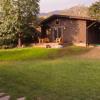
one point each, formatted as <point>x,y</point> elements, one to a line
<point>57,21</point>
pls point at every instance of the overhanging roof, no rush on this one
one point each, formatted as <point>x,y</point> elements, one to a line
<point>68,17</point>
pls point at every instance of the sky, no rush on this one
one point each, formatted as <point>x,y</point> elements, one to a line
<point>51,5</point>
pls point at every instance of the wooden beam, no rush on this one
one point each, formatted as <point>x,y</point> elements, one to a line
<point>91,25</point>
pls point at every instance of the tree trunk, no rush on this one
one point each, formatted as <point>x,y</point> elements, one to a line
<point>19,40</point>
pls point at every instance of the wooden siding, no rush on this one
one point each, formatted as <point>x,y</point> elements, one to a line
<point>73,31</point>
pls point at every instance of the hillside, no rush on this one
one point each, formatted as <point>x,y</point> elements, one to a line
<point>74,11</point>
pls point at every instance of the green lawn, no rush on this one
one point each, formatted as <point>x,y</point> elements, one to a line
<point>49,74</point>
<point>20,54</point>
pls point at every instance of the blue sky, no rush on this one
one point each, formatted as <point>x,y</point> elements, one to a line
<point>51,5</point>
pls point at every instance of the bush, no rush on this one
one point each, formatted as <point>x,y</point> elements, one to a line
<point>6,42</point>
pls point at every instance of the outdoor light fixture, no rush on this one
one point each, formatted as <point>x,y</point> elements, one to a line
<point>50,29</point>
<point>64,28</point>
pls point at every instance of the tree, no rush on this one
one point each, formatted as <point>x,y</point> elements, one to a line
<point>94,10</point>
<point>17,15</point>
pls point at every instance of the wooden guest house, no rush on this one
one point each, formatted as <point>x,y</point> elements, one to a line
<point>64,29</point>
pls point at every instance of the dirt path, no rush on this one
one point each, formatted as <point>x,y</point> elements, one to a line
<point>93,53</point>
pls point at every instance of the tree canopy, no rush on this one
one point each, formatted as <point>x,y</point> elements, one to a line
<point>17,15</point>
<point>94,10</point>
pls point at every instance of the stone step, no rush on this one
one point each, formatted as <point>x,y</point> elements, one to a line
<point>5,98</point>
<point>2,94</point>
<point>22,98</point>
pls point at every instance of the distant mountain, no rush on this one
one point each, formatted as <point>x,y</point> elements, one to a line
<point>74,11</point>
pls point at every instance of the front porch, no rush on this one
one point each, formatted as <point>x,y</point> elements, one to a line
<point>48,45</point>
<point>52,32</point>
<point>51,37</point>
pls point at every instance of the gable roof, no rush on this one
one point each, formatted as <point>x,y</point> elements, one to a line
<point>68,17</point>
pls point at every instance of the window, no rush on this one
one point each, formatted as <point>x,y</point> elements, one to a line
<point>59,32</point>
<point>57,21</point>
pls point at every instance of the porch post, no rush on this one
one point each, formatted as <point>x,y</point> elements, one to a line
<point>87,44</point>
<point>52,33</point>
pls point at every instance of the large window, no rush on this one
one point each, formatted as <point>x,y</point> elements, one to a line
<point>59,32</point>
<point>55,33</point>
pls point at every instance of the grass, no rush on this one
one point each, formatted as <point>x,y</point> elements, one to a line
<point>39,53</point>
<point>25,53</point>
<point>49,74</point>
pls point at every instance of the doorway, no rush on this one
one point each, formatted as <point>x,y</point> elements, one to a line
<point>93,34</point>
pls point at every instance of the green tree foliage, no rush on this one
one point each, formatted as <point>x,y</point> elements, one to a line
<point>94,10</point>
<point>17,15</point>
